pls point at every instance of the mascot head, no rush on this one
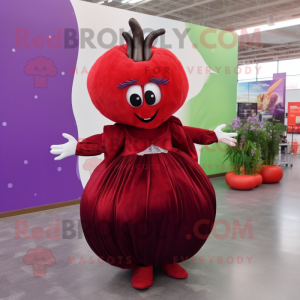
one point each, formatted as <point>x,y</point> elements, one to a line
<point>138,84</point>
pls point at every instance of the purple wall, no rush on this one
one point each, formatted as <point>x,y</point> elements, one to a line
<point>36,105</point>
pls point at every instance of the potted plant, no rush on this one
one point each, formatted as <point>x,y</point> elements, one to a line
<point>270,148</point>
<point>245,157</point>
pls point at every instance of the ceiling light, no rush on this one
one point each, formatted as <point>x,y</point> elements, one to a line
<point>134,1</point>
<point>110,1</point>
<point>101,2</point>
<point>125,1</point>
<point>266,27</point>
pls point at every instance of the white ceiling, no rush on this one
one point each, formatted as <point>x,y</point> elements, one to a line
<point>277,44</point>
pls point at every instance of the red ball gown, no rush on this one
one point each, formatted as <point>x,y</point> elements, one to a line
<point>147,209</point>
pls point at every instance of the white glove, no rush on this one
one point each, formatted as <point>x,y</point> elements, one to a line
<point>224,137</point>
<point>66,149</point>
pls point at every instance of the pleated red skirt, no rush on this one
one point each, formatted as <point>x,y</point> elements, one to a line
<point>151,209</point>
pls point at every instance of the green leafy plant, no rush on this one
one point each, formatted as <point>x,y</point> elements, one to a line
<point>245,157</point>
<point>270,147</point>
<point>257,144</point>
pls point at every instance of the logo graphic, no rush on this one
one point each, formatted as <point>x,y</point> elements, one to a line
<point>91,164</point>
<point>39,258</point>
<point>40,68</point>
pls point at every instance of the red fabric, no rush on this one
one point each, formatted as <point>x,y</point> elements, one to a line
<point>142,277</point>
<point>91,146</point>
<point>114,67</point>
<point>150,209</point>
<point>201,136</point>
<point>122,139</point>
<point>175,271</point>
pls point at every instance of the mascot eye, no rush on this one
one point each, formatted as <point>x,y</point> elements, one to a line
<point>134,95</point>
<point>152,93</point>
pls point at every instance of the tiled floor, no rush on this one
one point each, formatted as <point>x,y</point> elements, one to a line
<point>263,267</point>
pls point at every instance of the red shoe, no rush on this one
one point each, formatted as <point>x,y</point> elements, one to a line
<point>175,270</point>
<point>142,277</point>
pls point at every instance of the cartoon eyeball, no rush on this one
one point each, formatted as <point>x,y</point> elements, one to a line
<point>134,96</point>
<point>152,93</point>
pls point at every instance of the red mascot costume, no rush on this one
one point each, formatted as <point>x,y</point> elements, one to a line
<point>149,202</point>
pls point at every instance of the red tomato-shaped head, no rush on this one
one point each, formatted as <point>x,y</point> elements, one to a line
<point>143,93</point>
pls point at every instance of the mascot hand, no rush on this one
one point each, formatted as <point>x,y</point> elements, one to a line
<point>224,137</point>
<point>66,149</point>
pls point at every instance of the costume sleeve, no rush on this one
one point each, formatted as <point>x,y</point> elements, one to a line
<point>201,136</point>
<point>91,146</point>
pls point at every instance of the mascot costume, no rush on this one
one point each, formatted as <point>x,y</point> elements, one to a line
<point>149,202</point>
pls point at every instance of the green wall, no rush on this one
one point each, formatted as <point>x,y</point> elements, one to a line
<point>216,102</point>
